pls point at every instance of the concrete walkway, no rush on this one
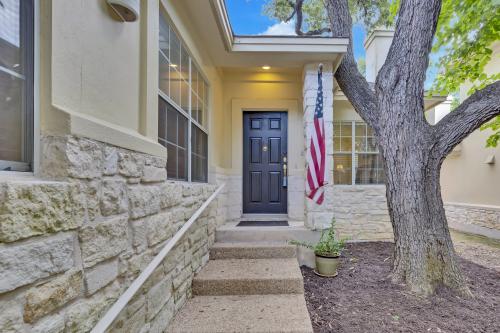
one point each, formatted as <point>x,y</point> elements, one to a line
<point>246,287</point>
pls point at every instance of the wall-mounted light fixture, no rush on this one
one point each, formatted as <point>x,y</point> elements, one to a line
<point>127,10</point>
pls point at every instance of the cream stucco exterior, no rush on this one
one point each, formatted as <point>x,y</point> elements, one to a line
<point>469,176</point>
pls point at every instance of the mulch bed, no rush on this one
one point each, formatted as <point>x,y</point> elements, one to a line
<point>363,299</point>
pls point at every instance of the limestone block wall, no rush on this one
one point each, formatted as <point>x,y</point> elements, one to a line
<point>360,212</point>
<point>72,242</point>
<point>480,219</point>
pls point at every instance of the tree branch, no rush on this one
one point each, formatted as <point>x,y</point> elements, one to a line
<point>313,32</point>
<point>479,108</point>
<point>350,80</point>
<point>297,11</point>
<point>408,56</point>
<point>291,16</point>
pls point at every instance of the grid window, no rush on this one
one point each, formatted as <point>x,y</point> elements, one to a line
<point>16,85</point>
<point>183,101</point>
<point>361,165</point>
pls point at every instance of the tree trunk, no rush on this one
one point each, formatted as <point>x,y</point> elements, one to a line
<point>424,257</point>
<point>413,150</point>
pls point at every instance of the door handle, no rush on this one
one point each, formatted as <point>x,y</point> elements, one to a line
<point>285,171</point>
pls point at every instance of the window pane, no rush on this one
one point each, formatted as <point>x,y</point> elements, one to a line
<point>346,129</point>
<point>360,143</point>
<point>194,107</point>
<point>198,155</point>
<point>184,96</point>
<point>175,86</point>
<point>200,88</point>
<point>346,144</point>
<point>182,164</point>
<point>194,79</point>
<point>16,84</point>
<point>183,132</point>
<point>201,112</point>
<point>369,169</point>
<point>162,118</point>
<point>342,173</point>
<point>336,128</point>
<point>173,133</point>
<point>171,161</point>
<point>164,36</point>
<point>11,117</point>
<point>336,144</point>
<point>371,144</point>
<point>164,75</point>
<point>184,64</point>
<point>360,129</point>
<point>171,125</point>
<point>175,50</point>
<point>205,93</point>
<point>11,39</point>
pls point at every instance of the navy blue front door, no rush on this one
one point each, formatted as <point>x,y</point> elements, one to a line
<point>264,156</point>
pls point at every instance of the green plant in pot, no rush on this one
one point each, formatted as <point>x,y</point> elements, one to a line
<point>327,251</point>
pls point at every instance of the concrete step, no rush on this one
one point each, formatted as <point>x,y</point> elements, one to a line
<point>251,313</point>
<point>231,234</point>
<point>249,277</point>
<point>252,251</point>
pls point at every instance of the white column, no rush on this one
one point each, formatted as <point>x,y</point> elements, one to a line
<point>316,216</point>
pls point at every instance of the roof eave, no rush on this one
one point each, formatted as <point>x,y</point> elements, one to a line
<point>299,44</point>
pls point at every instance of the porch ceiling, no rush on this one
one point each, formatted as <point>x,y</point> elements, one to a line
<point>209,19</point>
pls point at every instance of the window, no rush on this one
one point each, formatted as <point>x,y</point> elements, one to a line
<point>16,85</point>
<point>356,159</point>
<point>182,114</point>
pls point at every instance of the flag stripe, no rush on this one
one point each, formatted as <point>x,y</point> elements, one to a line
<point>316,157</point>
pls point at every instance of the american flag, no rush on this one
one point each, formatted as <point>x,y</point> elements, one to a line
<point>316,156</point>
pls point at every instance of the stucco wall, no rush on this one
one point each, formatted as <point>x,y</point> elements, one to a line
<point>99,76</point>
<point>469,185</point>
<point>254,90</point>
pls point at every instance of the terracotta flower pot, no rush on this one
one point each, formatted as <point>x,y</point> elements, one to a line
<point>327,265</point>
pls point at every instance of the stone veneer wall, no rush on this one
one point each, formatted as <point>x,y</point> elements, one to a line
<point>480,219</point>
<point>71,245</point>
<point>360,212</point>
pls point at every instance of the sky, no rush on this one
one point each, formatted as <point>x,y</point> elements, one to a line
<point>247,19</point>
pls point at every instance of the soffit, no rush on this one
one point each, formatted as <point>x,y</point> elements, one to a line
<point>209,20</point>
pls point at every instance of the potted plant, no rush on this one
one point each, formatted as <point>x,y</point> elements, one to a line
<point>327,251</point>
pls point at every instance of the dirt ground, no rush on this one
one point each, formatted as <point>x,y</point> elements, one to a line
<point>363,299</point>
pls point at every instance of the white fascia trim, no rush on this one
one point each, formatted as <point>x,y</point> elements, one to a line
<point>377,33</point>
<point>273,43</point>
<point>219,8</point>
<point>290,44</point>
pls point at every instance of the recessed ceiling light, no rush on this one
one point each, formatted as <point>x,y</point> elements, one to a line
<point>266,67</point>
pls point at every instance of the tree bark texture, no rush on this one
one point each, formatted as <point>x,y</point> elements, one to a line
<point>412,149</point>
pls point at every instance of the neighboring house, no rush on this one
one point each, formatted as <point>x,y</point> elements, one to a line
<point>126,128</point>
<point>470,177</point>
